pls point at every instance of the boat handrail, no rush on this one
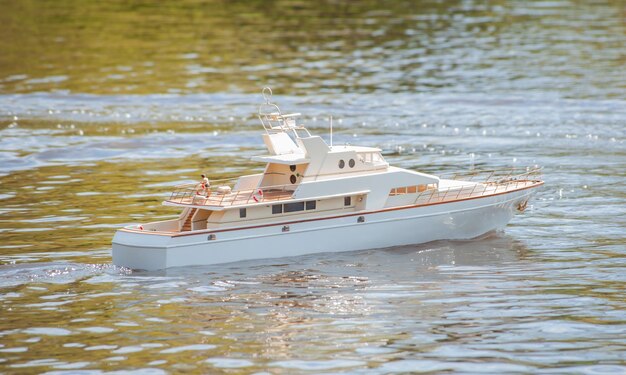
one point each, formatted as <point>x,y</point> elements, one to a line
<point>193,194</point>
<point>213,183</point>
<point>490,175</point>
<point>223,181</point>
<point>493,184</point>
<point>273,119</point>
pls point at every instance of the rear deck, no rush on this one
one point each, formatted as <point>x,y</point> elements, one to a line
<point>193,194</point>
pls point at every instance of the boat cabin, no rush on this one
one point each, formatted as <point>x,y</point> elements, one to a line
<point>304,177</point>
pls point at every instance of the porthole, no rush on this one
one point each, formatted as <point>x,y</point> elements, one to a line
<point>292,179</point>
<point>342,163</point>
<point>292,168</point>
<point>351,163</point>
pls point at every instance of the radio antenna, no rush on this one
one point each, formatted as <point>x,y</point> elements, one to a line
<point>331,131</point>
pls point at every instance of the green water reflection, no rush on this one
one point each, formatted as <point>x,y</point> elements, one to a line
<point>68,210</point>
<point>216,46</point>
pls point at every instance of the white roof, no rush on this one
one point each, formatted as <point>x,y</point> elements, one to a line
<point>341,148</point>
<point>282,159</point>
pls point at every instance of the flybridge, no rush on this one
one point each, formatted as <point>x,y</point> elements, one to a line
<point>290,143</point>
<point>274,121</point>
<point>283,135</point>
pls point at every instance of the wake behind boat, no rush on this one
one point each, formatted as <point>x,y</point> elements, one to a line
<point>314,198</point>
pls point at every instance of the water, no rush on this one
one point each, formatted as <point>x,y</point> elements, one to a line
<point>105,106</point>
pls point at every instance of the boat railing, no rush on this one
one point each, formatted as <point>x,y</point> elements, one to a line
<point>195,194</point>
<point>273,119</point>
<point>186,191</point>
<point>486,183</point>
<point>492,175</point>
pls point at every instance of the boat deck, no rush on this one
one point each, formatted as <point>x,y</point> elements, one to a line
<point>234,198</point>
<point>451,191</point>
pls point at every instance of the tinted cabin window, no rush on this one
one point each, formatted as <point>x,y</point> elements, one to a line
<point>351,163</point>
<point>342,163</point>
<point>242,212</point>
<point>293,207</point>
<point>292,168</point>
<point>347,201</point>
<point>277,209</point>
<point>310,205</point>
<point>293,179</point>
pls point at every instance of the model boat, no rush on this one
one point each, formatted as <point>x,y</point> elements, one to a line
<point>313,197</point>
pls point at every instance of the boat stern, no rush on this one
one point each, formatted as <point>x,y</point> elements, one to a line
<point>140,250</point>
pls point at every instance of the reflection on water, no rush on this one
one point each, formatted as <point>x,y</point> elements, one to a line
<point>573,47</point>
<point>443,305</point>
<point>106,105</point>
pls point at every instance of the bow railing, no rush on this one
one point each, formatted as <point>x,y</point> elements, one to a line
<point>493,175</point>
<point>484,183</point>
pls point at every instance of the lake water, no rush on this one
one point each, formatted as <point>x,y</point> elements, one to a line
<point>104,106</point>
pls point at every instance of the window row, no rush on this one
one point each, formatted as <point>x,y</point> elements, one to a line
<point>411,189</point>
<point>370,157</point>
<point>293,207</point>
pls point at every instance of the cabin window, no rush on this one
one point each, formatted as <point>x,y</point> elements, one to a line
<point>293,207</point>
<point>410,189</point>
<point>401,190</point>
<point>351,163</point>
<point>277,209</point>
<point>311,205</point>
<point>242,212</point>
<point>292,168</point>
<point>347,201</point>
<point>342,164</point>
<point>293,179</point>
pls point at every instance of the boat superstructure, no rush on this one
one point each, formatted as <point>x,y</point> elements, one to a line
<point>312,197</point>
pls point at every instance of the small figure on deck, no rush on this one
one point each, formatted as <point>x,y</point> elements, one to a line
<point>206,185</point>
<point>205,181</point>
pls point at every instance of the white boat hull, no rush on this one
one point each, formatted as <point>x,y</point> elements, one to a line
<point>457,220</point>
